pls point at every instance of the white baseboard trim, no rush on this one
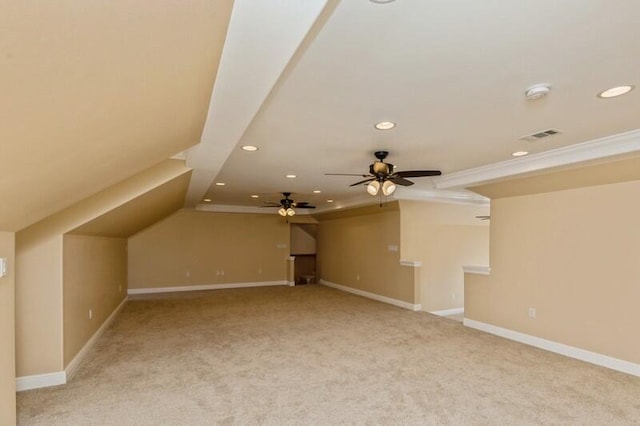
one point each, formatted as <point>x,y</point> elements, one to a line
<point>154,290</point>
<point>389,300</point>
<point>446,312</point>
<point>559,348</point>
<point>62,377</point>
<point>40,381</point>
<point>72,367</point>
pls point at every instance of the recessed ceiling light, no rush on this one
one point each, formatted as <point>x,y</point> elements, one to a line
<point>249,148</point>
<point>207,200</point>
<point>291,176</point>
<point>316,191</point>
<point>381,1</point>
<point>220,184</point>
<point>329,201</point>
<point>255,196</point>
<point>385,125</point>
<point>519,153</point>
<point>615,91</point>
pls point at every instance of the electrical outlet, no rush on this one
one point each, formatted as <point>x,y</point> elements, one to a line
<point>187,274</point>
<point>532,312</point>
<point>222,273</point>
<point>358,277</point>
<point>453,296</point>
<point>119,288</point>
<point>90,313</point>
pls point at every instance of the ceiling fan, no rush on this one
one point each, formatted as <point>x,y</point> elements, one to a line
<point>287,205</point>
<point>382,176</point>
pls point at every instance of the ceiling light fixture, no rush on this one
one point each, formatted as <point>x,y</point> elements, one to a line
<point>286,212</point>
<point>291,176</point>
<point>615,91</point>
<point>207,200</point>
<point>537,91</point>
<point>249,148</point>
<point>255,196</point>
<point>316,191</point>
<point>385,125</point>
<point>329,201</point>
<point>220,184</point>
<point>381,1</point>
<point>519,153</point>
<point>387,187</point>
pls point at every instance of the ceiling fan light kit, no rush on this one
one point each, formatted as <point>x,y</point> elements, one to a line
<point>286,205</point>
<point>382,176</point>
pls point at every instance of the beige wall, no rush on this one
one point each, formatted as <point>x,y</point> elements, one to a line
<point>302,241</point>
<point>38,303</point>
<point>7,333</point>
<point>195,248</point>
<point>353,250</point>
<point>94,278</point>
<point>39,260</point>
<point>573,256</point>
<point>444,237</point>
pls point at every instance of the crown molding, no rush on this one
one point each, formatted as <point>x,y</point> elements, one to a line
<point>441,196</point>
<point>224,208</point>
<point>622,143</point>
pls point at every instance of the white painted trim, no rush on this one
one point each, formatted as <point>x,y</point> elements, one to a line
<point>384,299</point>
<point>559,348</point>
<point>446,312</point>
<point>356,201</point>
<point>481,270</point>
<point>414,263</point>
<point>40,381</point>
<point>72,367</point>
<point>622,143</point>
<point>292,283</point>
<point>155,290</point>
<point>223,208</point>
<point>442,196</point>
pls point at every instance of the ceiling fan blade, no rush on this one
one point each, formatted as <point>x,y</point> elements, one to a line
<point>363,181</point>
<point>305,206</point>
<point>418,173</point>
<point>399,180</point>
<point>269,204</point>
<point>345,174</point>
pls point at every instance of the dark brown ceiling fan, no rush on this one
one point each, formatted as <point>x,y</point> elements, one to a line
<point>383,176</point>
<point>287,205</point>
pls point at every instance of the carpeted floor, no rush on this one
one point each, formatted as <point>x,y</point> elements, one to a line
<point>312,355</point>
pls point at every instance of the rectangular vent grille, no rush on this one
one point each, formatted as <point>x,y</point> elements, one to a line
<point>539,135</point>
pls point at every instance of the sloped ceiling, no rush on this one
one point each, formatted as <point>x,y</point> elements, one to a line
<point>96,91</point>
<point>451,74</point>
<point>141,212</point>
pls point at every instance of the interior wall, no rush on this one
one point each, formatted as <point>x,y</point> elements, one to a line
<point>204,248</point>
<point>39,261</point>
<point>7,332</point>
<point>301,241</point>
<point>94,278</point>
<point>444,237</point>
<point>573,256</point>
<point>359,248</point>
<point>38,302</point>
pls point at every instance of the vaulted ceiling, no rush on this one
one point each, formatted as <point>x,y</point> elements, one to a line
<point>452,76</point>
<point>96,92</point>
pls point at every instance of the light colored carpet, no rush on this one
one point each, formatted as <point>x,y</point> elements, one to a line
<point>312,355</point>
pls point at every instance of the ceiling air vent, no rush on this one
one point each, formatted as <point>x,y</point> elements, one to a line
<point>539,135</point>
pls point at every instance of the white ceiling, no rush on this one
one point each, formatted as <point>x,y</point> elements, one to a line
<point>452,75</point>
